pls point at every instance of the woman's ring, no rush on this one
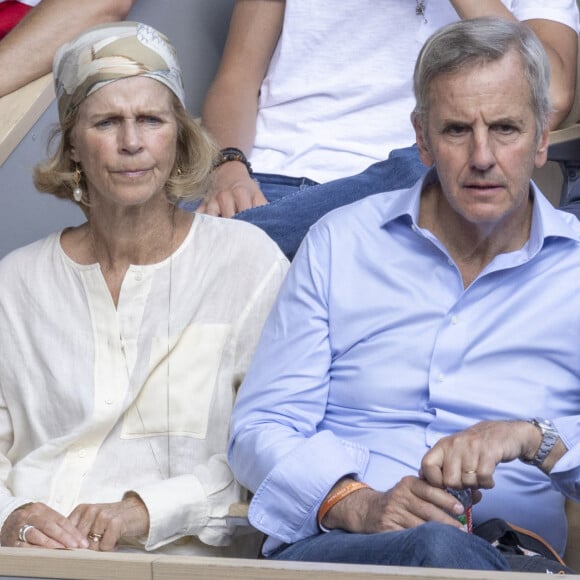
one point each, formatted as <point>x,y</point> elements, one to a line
<point>23,531</point>
<point>470,472</point>
<point>94,537</point>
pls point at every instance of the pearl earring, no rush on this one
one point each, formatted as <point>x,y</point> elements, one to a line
<point>77,191</point>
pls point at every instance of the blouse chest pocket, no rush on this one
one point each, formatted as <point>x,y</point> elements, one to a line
<point>177,393</point>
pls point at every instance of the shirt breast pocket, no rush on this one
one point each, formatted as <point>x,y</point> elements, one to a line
<point>176,396</point>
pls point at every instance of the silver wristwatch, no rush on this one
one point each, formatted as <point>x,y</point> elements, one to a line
<point>549,438</point>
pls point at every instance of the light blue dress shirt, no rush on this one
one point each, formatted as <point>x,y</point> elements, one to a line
<point>374,350</point>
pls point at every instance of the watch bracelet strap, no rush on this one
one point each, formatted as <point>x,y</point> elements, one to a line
<point>232,154</point>
<point>549,439</point>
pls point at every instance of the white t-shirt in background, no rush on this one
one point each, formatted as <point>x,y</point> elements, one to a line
<point>338,93</point>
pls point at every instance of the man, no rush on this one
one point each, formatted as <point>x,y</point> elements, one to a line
<point>418,332</point>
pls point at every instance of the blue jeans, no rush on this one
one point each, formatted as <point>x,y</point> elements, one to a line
<point>297,203</point>
<point>572,204</point>
<point>431,545</point>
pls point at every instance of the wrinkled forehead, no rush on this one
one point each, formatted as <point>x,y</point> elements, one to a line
<point>111,52</point>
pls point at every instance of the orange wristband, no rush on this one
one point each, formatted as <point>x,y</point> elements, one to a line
<point>338,495</point>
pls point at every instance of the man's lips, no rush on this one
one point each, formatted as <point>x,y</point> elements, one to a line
<point>483,186</point>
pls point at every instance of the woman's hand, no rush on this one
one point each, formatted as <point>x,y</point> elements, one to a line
<point>103,524</point>
<point>50,529</point>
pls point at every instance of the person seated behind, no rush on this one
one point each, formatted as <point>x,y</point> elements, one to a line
<point>26,53</point>
<point>136,327</point>
<point>320,93</point>
<point>12,12</point>
<point>417,332</point>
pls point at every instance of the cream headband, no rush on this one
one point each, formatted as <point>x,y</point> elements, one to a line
<point>111,52</point>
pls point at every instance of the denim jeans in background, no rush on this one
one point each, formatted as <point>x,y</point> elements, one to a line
<point>431,545</point>
<point>297,203</point>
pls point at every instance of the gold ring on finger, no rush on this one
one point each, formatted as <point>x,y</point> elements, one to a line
<point>94,537</point>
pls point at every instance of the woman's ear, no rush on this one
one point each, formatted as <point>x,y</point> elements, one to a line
<point>71,148</point>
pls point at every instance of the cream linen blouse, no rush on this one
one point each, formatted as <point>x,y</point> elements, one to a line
<point>96,401</point>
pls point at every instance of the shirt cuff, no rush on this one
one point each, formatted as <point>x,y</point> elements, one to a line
<point>177,507</point>
<point>286,503</point>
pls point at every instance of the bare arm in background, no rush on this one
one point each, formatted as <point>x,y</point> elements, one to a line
<point>231,105</point>
<point>26,52</point>
<point>560,43</point>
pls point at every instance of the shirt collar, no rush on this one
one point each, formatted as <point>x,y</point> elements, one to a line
<point>547,221</point>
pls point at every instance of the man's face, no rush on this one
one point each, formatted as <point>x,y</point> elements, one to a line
<point>481,136</point>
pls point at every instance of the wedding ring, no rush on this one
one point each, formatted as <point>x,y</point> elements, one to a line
<point>470,472</point>
<point>94,537</point>
<point>23,531</point>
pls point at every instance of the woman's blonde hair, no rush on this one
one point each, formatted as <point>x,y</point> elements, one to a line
<point>195,156</point>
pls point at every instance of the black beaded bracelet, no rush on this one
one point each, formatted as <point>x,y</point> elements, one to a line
<point>232,154</point>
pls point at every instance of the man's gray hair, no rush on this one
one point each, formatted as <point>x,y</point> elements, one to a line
<point>466,43</point>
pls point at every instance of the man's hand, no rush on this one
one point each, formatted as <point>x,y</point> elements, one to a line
<point>232,190</point>
<point>469,458</point>
<point>50,529</point>
<point>105,523</point>
<point>410,503</point>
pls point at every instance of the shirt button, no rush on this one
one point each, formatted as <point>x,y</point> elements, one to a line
<point>138,276</point>
<point>108,401</point>
<point>83,453</point>
<point>450,261</point>
<point>440,377</point>
<point>454,320</point>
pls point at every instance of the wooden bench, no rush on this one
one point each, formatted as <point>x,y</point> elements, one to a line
<point>86,565</point>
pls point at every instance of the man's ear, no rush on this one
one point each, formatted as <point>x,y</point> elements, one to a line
<point>422,141</point>
<point>542,148</point>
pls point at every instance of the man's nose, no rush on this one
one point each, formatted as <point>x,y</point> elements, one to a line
<point>482,152</point>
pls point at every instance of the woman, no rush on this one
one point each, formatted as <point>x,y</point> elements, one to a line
<point>123,340</point>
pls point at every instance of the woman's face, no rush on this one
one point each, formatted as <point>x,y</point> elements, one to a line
<point>125,141</point>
